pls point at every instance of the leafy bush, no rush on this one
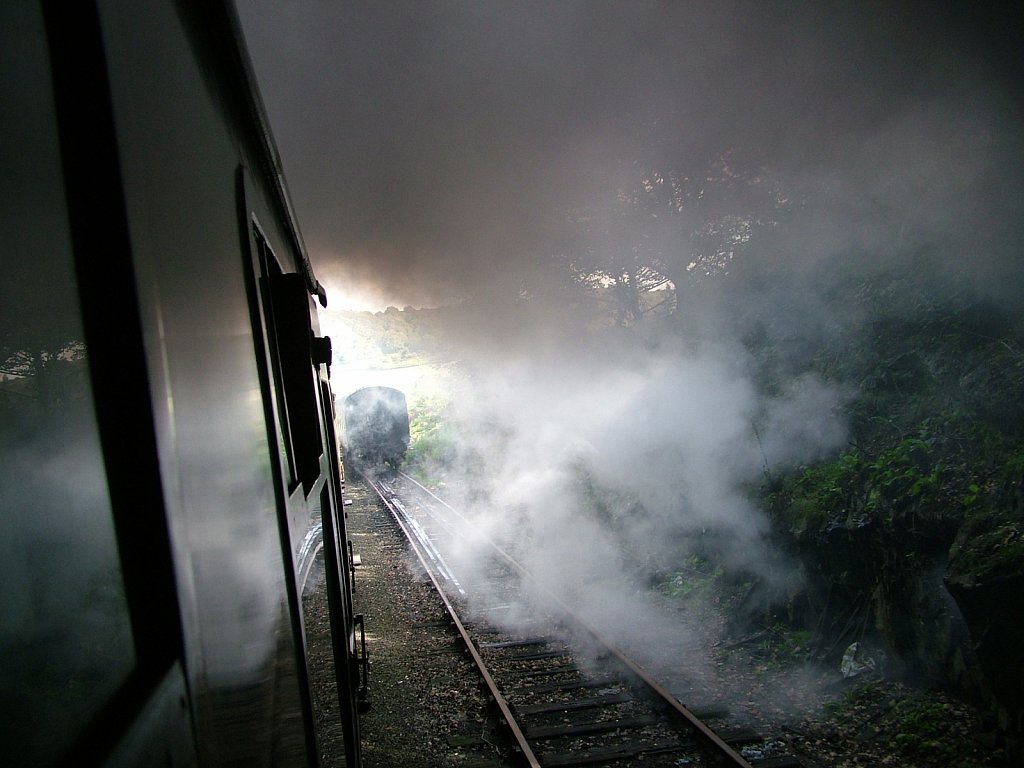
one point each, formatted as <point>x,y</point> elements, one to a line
<point>929,732</point>
<point>432,438</point>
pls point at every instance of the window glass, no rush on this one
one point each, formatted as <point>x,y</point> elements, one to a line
<point>269,267</point>
<point>65,640</point>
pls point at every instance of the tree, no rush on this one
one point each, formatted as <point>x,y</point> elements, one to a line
<point>612,253</point>
<point>671,229</point>
<point>698,224</point>
<point>41,339</point>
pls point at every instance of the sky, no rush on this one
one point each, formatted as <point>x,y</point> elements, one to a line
<point>431,146</point>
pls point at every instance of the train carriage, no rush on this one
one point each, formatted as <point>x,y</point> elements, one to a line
<point>167,441</point>
<point>376,428</point>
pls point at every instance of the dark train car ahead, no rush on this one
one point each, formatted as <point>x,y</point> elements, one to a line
<point>168,460</point>
<point>376,427</point>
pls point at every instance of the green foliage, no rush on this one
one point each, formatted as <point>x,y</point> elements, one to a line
<point>903,474</point>
<point>396,336</point>
<point>936,476</point>
<point>990,547</point>
<point>872,523</point>
<point>887,723</point>
<point>861,694</point>
<point>696,576</point>
<point>825,492</point>
<point>781,644</point>
<point>432,437</point>
<point>929,732</point>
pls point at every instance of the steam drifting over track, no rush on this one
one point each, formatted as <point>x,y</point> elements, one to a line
<point>567,695</point>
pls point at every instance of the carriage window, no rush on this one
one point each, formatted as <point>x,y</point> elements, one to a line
<point>65,638</point>
<point>293,335</point>
<point>268,266</point>
<point>285,301</point>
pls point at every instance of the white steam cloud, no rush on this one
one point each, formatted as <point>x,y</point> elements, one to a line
<point>599,471</point>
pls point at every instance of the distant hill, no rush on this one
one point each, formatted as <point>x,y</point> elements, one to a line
<point>392,338</point>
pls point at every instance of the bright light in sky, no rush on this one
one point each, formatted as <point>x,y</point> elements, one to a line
<point>354,297</point>
<point>347,290</point>
<point>358,362</point>
<point>354,286</point>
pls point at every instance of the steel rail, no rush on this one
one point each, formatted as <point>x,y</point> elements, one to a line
<point>701,730</point>
<point>404,522</point>
<point>311,546</point>
<point>420,535</point>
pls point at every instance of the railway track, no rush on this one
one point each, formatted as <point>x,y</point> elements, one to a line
<point>568,696</point>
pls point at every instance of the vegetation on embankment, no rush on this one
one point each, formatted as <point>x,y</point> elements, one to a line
<point>912,536</point>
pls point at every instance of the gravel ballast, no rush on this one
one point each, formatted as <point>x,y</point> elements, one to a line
<point>427,706</point>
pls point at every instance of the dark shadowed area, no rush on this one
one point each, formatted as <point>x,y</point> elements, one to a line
<point>434,148</point>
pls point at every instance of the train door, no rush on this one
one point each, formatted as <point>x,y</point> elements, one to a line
<point>302,436</point>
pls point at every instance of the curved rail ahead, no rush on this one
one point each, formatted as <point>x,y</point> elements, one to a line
<point>434,565</point>
<point>430,560</point>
